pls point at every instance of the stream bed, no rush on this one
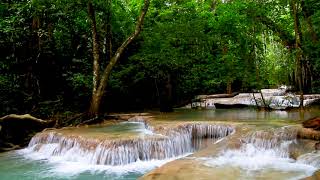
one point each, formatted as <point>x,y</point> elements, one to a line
<point>30,164</point>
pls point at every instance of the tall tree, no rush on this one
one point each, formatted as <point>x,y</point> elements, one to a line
<point>101,81</point>
<point>299,64</point>
<point>95,50</point>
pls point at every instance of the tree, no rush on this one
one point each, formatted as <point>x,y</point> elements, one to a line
<point>100,81</point>
<point>297,30</point>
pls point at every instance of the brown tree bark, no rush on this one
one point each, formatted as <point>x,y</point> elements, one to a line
<point>299,63</point>
<point>97,97</point>
<point>95,50</point>
<point>229,87</point>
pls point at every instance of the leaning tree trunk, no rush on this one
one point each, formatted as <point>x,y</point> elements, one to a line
<point>299,64</point>
<point>97,97</point>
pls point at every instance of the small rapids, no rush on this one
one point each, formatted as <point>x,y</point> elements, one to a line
<point>169,144</point>
<point>266,152</point>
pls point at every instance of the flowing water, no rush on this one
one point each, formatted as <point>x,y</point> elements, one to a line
<point>266,154</point>
<point>87,154</point>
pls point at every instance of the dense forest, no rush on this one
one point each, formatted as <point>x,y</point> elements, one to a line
<point>57,57</point>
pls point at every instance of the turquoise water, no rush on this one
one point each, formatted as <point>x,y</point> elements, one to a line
<point>124,127</point>
<point>14,166</point>
<point>21,164</point>
<point>17,165</point>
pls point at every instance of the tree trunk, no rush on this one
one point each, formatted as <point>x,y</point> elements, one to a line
<point>299,63</point>
<point>255,100</point>
<point>229,87</point>
<point>265,106</point>
<point>96,99</point>
<point>96,56</point>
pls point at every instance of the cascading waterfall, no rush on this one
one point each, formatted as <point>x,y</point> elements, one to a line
<point>173,142</point>
<point>277,141</point>
<point>266,150</point>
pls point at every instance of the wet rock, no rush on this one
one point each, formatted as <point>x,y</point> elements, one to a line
<point>313,123</point>
<point>315,176</point>
<point>306,133</point>
<point>317,146</point>
<point>180,140</point>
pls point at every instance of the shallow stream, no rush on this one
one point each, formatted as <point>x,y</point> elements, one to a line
<point>28,164</point>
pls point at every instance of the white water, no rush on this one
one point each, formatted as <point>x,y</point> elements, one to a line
<point>65,167</point>
<point>310,158</point>
<point>261,151</point>
<point>265,152</point>
<point>71,155</point>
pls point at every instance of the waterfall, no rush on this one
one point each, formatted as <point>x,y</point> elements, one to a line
<point>312,158</point>
<point>277,141</point>
<point>263,151</point>
<point>173,142</point>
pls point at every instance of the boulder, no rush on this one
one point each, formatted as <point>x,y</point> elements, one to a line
<point>307,133</point>
<point>313,123</point>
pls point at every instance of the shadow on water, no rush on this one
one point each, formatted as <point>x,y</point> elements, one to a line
<point>240,115</point>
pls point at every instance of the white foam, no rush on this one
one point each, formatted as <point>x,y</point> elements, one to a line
<point>310,158</point>
<point>250,158</point>
<point>66,167</point>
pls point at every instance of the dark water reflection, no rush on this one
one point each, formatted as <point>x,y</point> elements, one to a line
<point>242,115</point>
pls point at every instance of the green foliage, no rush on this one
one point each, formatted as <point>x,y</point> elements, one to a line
<point>200,46</point>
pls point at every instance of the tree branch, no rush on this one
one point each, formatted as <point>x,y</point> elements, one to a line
<point>120,50</point>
